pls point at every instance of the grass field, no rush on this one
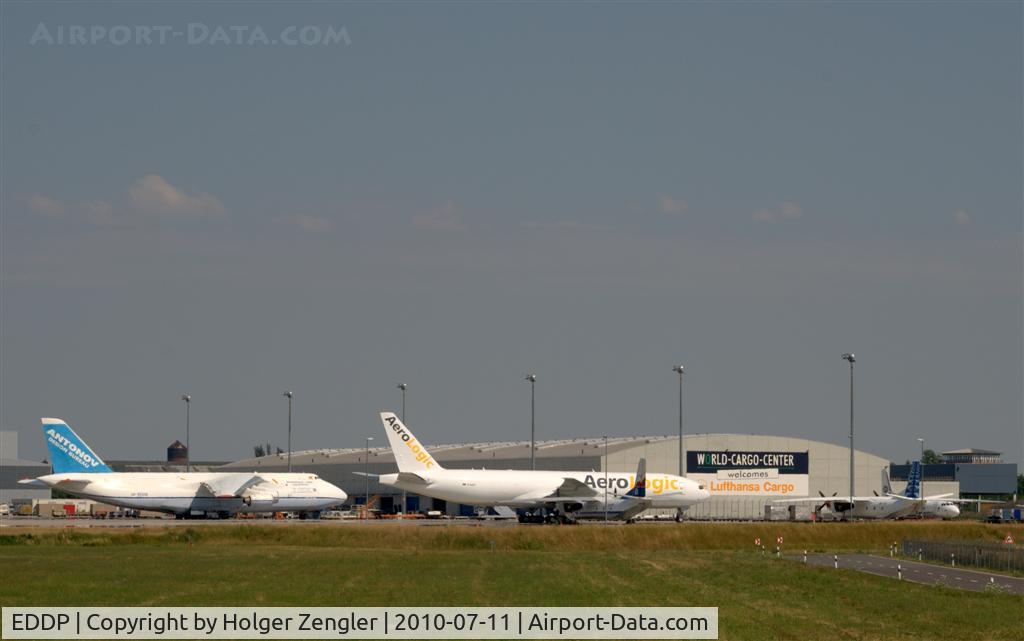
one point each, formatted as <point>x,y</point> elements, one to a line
<point>661,565</point>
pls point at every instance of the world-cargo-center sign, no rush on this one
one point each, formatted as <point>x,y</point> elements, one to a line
<point>727,473</point>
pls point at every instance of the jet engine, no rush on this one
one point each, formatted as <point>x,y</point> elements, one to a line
<point>260,498</point>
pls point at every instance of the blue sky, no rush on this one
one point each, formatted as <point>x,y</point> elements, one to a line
<point>460,194</point>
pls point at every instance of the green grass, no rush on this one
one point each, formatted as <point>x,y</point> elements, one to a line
<point>665,565</point>
<point>820,537</point>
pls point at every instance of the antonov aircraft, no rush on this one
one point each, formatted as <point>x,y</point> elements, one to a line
<point>78,471</point>
<point>888,505</point>
<point>563,495</point>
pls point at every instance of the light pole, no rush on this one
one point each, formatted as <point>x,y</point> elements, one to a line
<point>606,479</point>
<point>403,387</point>
<point>289,395</point>
<point>678,369</point>
<point>366,477</point>
<point>188,428</point>
<point>533,424</point>
<point>921,440</point>
<point>848,356</point>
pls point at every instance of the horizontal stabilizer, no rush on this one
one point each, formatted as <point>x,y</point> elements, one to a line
<point>33,483</point>
<point>412,477</point>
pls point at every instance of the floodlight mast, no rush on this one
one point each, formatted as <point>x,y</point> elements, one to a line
<point>289,395</point>
<point>532,378</point>
<point>366,477</point>
<point>848,356</point>
<point>188,428</point>
<point>405,496</point>
<point>679,369</point>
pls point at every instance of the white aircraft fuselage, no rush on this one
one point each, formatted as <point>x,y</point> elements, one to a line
<point>81,472</point>
<point>528,488</point>
<point>581,494</point>
<point>180,493</point>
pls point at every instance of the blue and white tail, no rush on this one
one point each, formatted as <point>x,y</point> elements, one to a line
<point>913,490</point>
<point>640,484</point>
<point>68,452</point>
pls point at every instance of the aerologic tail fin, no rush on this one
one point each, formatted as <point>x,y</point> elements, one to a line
<point>640,486</point>
<point>68,452</point>
<point>410,455</point>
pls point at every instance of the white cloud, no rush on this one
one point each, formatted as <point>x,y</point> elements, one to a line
<point>786,211</point>
<point>442,218</point>
<point>154,196</point>
<point>791,210</point>
<point>670,205</point>
<point>962,217</point>
<point>150,196</point>
<point>562,225</point>
<point>309,224</point>
<point>100,212</point>
<point>45,205</point>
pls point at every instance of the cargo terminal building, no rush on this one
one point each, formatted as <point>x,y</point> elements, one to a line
<point>744,473</point>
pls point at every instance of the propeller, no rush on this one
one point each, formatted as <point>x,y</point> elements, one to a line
<point>827,502</point>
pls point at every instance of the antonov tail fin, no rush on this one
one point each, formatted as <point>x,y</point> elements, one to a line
<point>68,452</point>
<point>410,455</point>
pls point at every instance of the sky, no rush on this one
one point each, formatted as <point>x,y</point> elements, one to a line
<point>335,198</point>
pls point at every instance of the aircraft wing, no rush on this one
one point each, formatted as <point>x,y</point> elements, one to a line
<point>833,499</point>
<point>229,485</point>
<point>574,488</point>
<point>569,491</point>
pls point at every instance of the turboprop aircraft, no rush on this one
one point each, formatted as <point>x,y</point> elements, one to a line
<point>562,496</point>
<point>887,505</point>
<point>78,471</point>
<point>942,506</point>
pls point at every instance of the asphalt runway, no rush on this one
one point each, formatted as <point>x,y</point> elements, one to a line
<point>927,573</point>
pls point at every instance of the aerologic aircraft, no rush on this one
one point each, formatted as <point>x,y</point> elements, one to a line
<point>546,495</point>
<point>78,471</point>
